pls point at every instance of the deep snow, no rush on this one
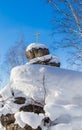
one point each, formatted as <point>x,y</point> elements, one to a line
<point>59,90</point>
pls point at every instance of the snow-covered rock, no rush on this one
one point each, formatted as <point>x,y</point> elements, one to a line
<point>46,60</point>
<point>57,91</point>
<point>29,118</point>
<point>37,78</point>
<point>36,45</point>
<point>36,50</point>
<point>38,53</point>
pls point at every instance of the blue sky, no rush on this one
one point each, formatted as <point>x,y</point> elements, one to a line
<point>23,17</point>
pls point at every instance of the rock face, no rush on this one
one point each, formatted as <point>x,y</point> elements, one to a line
<point>8,120</point>
<point>38,51</point>
<point>20,100</point>
<point>33,53</point>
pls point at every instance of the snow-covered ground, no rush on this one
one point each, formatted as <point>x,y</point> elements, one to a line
<point>58,90</point>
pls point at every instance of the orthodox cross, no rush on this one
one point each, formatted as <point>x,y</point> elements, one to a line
<point>37,35</point>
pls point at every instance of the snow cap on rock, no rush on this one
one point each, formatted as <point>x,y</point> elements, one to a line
<point>36,46</point>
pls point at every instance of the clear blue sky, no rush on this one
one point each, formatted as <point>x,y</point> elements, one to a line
<point>26,17</point>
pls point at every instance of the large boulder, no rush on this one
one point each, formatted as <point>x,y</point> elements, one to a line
<point>36,50</point>
<point>39,96</point>
<point>39,54</point>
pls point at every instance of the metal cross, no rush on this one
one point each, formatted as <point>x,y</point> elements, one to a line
<point>37,35</point>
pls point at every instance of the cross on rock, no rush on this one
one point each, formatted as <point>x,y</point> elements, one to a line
<point>37,35</point>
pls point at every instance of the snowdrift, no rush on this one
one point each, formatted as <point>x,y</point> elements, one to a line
<point>57,91</point>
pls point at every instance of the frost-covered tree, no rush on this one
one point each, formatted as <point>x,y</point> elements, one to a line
<point>67,22</point>
<point>15,56</point>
